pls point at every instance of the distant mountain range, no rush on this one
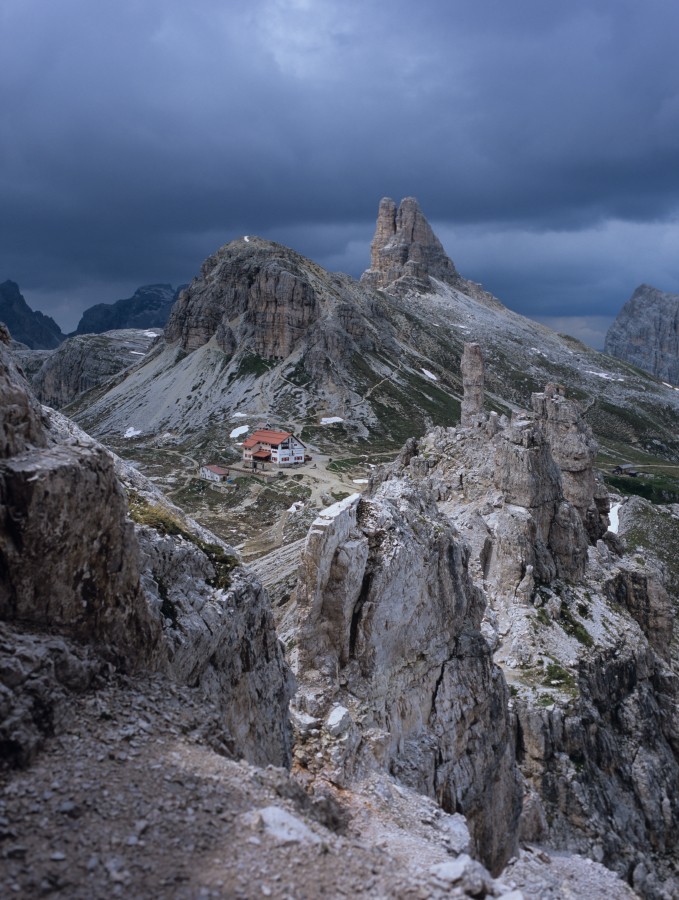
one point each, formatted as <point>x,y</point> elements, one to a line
<point>148,307</point>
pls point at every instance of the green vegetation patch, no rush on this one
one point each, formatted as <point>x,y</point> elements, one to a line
<point>557,676</point>
<point>545,700</point>
<point>658,488</point>
<point>162,520</point>
<point>345,464</point>
<point>576,629</point>
<point>299,375</point>
<point>339,495</point>
<point>252,364</point>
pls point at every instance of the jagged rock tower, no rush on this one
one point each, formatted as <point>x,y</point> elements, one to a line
<point>405,245</point>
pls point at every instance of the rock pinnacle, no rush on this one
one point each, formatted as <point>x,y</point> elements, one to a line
<point>405,245</point>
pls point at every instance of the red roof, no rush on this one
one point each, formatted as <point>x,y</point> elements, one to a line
<point>218,470</point>
<point>265,436</point>
<point>261,454</point>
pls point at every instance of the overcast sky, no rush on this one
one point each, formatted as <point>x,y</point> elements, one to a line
<point>541,139</point>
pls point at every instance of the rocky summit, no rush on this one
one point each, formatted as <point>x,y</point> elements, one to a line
<point>405,246</point>
<point>646,333</point>
<point>460,679</point>
<point>29,327</point>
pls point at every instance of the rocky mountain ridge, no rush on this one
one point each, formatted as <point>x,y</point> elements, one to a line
<point>85,362</point>
<point>29,327</point>
<point>646,333</point>
<point>148,307</point>
<point>266,335</point>
<point>479,662</point>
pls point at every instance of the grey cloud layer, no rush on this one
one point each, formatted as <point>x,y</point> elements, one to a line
<point>136,137</point>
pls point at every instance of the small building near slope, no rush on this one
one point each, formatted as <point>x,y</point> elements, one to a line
<point>214,473</point>
<point>281,448</point>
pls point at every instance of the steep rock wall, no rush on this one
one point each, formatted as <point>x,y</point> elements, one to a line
<point>646,333</point>
<point>391,667</point>
<point>405,245</point>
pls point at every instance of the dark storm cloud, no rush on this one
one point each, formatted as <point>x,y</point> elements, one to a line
<point>137,137</point>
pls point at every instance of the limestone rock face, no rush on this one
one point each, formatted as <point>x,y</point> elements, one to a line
<point>574,449</point>
<point>584,637</point>
<point>68,558</point>
<point>619,801</point>
<point>87,361</point>
<point>69,554</point>
<point>405,245</point>
<point>646,333</point>
<point>392,670</point>
<point>246,293</point>
<point>528,477</point>
<point>220,639</point>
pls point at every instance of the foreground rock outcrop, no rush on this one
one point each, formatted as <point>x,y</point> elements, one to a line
<point>646,333</point>
<point>154,594</point>
<point>583,633</point>
<point>393,673</point>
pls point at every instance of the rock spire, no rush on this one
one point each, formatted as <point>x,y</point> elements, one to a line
<point>405,245</point>
<point>472,384</point>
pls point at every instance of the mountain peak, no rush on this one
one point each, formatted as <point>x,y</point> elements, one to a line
<point>30,327</point>
<point>405,245</point>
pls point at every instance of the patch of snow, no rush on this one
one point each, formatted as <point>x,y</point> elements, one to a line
<point>239,416</point>
<point>298,504</point>
<point>605,375</point>
<point>360,480</point>
<point>242,429</point>
<point>331,420</point>
<point>132,432</point>
<point>138,352</point>
<point>150,334</point>
<point>463,327</point>
<point>246,239</point>
<point>614,518</point>
<point>430,374</point>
